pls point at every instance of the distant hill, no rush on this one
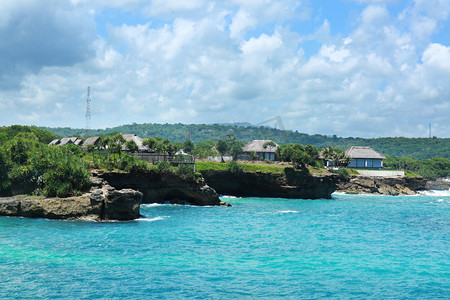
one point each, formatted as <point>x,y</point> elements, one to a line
<point>420,148</point>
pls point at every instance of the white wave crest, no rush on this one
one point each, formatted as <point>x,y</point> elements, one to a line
<point>151,204</point>
<point>436,193</point>
<point>288,211</point>
<point>152,219</point>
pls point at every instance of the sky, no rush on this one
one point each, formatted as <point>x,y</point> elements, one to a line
<point>361,68</point>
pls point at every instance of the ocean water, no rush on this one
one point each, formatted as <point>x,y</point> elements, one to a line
<point>350,247</point>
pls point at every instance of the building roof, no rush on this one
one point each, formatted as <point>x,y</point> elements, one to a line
<point>70,140</point>
<point>257,146</point>
<point>55,142</point>
<point>363,152</point>
<point>92,140</point>
<point>136,139</point>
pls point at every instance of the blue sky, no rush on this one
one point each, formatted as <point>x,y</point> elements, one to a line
<point>367,68</point>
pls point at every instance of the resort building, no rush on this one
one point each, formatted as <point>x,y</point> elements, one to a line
<point>364,157</point>
<point>67,140</point>
<point>92,140</point>
<point>137,140</point>
<point>257,146</point>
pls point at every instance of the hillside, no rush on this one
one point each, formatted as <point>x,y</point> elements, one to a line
<point>419,148</point>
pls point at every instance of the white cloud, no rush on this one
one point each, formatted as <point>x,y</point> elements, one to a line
<point>240,23</point>
<point>437,56</point>
<point>227,61</point>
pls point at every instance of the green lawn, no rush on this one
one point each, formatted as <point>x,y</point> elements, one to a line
<point>253,167</point>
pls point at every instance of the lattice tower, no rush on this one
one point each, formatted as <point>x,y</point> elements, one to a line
<point>88,110</point>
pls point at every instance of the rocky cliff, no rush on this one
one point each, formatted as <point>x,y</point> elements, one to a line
<point>382,185</point>
<point>164,188</point>
<point>291,184</point>
<point>438,185</point>
<point>114,196</point>
<point>99,205</point>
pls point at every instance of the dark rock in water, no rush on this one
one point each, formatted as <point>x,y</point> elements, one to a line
<point>164,188</point>
<point>393,186</point>
<point>292,184</point>
<point>122,205</point>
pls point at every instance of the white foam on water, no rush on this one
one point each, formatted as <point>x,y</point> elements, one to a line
<point>152,219</point>
<point>288,211</point>
<point>436,193</point>
<point>152,204</point>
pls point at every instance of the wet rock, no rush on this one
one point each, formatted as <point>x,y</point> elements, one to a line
<point>393,186</point>
<point>122,205</point>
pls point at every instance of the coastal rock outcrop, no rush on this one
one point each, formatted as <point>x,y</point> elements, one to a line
<point>438,185</point>
<point>163,188</point>
<point>395,186</point>
<point>291,184</point>
<point>114,205</point>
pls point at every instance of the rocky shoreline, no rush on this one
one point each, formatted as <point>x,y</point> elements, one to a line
<point>120,205</point>
<point>389,186</point>
<point>113,196</point>
<point>291,184</point>
<point>118,195</point>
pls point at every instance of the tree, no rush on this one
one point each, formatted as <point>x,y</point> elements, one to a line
<point>269,144</point>
<point>150,143</point>
<point>236,149</point>
<point>188,146</point>
<point>5,185</point>
<point>313,154</point>
<point>299,159</point>
<point>222,147</point>
<point>131,146</point>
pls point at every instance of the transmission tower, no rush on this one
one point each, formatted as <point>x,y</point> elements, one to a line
<point>88,110</point>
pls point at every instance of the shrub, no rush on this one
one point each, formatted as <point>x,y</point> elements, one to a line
<point>186,171</point>
<point>63,173</point>
<point>234,167</point>
<point>163,167</point>
<point>343,172</point>
<point>138,167</point>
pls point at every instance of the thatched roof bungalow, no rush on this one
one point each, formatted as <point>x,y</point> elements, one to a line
<point>67,140</point>
<point>364,157</point>
<point>55,142</point>
<point>92,140</point>
<point>137,140</point>
<point>262,153</point>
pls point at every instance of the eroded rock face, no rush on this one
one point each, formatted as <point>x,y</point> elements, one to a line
<point>164,188</point>
<point>293,184</point>
<point>113,205</point>
<point>394,186</point>
<point>50,208</point>
<point>438,185</point>
<point>122,205</point>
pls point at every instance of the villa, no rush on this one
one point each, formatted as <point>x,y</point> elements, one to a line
<point>364,157</point>
<point>257,146</point>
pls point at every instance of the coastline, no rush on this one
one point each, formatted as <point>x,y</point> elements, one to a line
<point>118,195</point>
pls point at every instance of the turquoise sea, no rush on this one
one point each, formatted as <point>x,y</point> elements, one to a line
<point>348,247</point>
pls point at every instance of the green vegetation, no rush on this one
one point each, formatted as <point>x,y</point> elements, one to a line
<point>431,168</point>
<point>234,166</point>
<point>299,155</point>
<point>8,133</point>
<point>342,172</point>
<point>419,148</point>
<point>29,166</point>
